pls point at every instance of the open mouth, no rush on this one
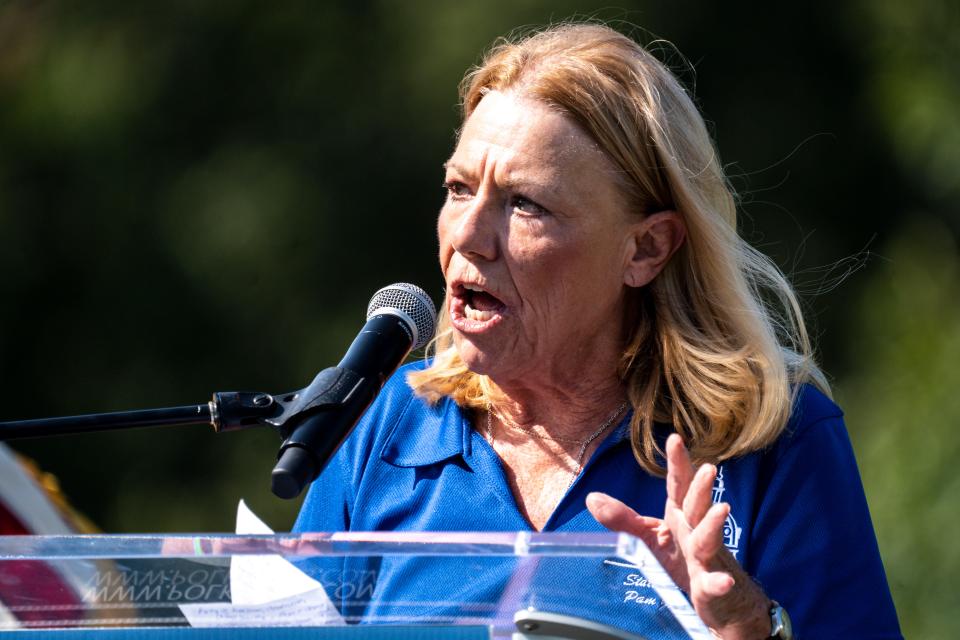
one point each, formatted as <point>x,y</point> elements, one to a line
<point>472,307</point>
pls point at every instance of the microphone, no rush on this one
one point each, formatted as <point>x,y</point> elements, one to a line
<point>400,318</point>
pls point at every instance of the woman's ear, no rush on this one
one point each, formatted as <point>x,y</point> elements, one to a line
<point>654,240</point>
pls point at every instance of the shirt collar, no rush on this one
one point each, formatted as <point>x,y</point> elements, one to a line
<point>427,434</point>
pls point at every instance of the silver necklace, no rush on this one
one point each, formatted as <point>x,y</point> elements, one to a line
<point>583,443</point>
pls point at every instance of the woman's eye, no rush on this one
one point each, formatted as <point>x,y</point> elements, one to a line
<point>527,206</point>
<point>456,189</point>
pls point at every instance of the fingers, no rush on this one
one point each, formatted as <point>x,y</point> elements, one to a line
<point>705,541</point>
<point>700,494</point>
<point>688,490</point>
<point>715,584</point>
<point>714,580</point>
<point>617,516</point>
<point>679,469</point>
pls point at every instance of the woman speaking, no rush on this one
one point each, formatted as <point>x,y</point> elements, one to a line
<point>611,353</point>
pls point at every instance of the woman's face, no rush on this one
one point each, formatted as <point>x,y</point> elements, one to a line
<point>535,242</point>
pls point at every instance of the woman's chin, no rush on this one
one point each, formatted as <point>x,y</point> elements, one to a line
<point>477,358</point>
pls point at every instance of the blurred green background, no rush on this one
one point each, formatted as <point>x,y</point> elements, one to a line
<point>199,196</point>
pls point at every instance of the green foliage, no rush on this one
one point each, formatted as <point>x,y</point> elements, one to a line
<point>910,52</point>
<point>903,410</point>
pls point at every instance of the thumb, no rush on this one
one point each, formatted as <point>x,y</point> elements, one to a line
<point>617,516</point>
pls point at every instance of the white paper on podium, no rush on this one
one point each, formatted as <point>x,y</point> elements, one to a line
<point>266,591</point>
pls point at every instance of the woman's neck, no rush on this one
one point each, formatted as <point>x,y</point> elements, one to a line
<point>571,412</point>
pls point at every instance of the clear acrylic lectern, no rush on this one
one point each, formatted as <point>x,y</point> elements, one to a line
<point>339,585</point>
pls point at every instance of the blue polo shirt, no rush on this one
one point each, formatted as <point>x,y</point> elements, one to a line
<point>798,524</point>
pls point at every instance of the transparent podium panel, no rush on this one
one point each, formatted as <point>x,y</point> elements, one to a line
<point>500,585</point>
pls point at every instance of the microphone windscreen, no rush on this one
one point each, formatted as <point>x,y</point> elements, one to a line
<point>410,303</point>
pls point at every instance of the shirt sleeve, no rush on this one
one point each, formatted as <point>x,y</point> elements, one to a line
<point>815,551</point>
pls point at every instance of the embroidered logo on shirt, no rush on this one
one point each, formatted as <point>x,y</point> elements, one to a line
<point>731,532</point>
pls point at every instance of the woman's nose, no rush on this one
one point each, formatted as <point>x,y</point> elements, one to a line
<point>475,233</point>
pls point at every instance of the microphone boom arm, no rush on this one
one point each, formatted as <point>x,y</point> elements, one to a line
<point>42,427</point>
<point>227,411</point>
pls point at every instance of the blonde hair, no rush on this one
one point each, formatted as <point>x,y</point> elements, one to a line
<point>717,343</point>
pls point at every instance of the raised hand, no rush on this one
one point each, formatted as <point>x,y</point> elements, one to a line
<point>688,542</point>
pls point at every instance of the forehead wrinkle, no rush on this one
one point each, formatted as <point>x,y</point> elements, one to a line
<point>559,168</point>
<point>474,166</point>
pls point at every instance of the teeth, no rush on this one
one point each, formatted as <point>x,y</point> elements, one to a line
<point>472,287</point>
<point>480,316</point>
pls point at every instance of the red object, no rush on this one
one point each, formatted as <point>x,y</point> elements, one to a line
<point>10,525</point>
<point>31,589</point>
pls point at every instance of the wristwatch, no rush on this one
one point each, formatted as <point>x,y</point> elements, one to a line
<point>780,627</point>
